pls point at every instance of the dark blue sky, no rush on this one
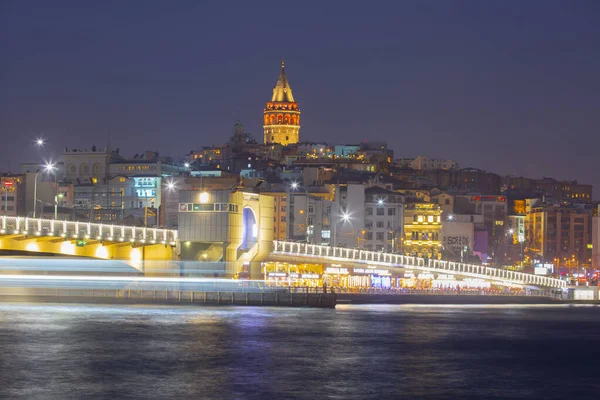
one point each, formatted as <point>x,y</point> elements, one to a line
<point>508,86</point>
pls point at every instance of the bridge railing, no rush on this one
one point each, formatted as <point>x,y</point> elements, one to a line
<point>367,256</point>
<point>85,230</point>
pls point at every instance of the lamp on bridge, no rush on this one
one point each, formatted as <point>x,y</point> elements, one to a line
<point>48,167</point>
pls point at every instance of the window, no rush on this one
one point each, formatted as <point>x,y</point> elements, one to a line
<point>310,221</point>
<point>380,224</point>
<point>380,211</point>
<point>391,211</point>
<point>430,218</point>
<point>369,210</point>
<point>282,208</point>
<point>447,201</point>
<point>369,235</point>
<point>390,236</point>
<point>379,235</point>
<point>311,209</point>
<point>283,218</point>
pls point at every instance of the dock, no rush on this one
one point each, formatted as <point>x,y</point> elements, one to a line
<point>271,298</point>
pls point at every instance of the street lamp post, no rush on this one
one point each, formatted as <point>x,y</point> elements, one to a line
<point>344,217</point>
<point>189,167</point>
<point>49,167</point>
<point>295,186</point>
<point>5,199</point>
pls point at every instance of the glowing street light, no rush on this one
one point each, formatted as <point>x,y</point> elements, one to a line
<point>345,216</point>
<point>40,142</point>
<point>379,202</point>
<point>171,185</point>
<point>450,217</point>
<point>187,165</point>
<point>294,185</point>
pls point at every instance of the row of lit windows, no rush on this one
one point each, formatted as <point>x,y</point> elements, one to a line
<point>425,236</point>
<point>380,224</point>
<point>381,211</point>
<point>137,168</point>
<point>380,236</point>
<point>218,207</point>
<point>430,218</point>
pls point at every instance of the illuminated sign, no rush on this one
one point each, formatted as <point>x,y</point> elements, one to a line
<point>488,198</point>
<point>310,276</point>
<point>371,271</point>
<point>144,182</point>
<point>336,270</point>
<point>540,271</point>
<point>145,192</point>
<point>277,274</point>
<point>443,276</point>
<point>8,183</point>
<point>294,275</point>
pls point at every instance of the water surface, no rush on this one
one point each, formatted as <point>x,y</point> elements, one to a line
<point>353,352</point>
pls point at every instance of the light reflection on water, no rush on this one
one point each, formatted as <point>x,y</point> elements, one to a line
<point>371,351</point>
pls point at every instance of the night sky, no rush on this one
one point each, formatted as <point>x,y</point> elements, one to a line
<point>507,86</point>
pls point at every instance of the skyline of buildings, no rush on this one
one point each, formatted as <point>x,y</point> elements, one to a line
<point>353,195</point>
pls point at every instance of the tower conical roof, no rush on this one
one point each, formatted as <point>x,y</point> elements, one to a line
<point>282,90</point>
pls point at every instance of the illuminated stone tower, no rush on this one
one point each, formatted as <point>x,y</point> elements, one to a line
<point>282,116</point>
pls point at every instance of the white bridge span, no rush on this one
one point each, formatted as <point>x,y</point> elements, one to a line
<point>80,230</point>
<point>341,254</point>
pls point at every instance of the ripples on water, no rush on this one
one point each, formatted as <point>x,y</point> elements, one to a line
<point>353,352</point>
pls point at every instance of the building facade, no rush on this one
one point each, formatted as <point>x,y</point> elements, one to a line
<point>281,114</point>
<point>384,221</point>
<point>423,230</point>
<point>12,196</point>
<point>226,232</point>
<point>557,233</point>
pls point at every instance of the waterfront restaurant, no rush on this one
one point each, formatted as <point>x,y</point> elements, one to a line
<point>286,274</point>
<point>378,277</point>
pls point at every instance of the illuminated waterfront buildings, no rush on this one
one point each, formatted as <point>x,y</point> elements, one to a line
<point>423,230</point>
<point>557,232</point>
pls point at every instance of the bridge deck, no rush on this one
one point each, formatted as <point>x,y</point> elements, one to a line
<point>342,254</point>
<point>85,230</point>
